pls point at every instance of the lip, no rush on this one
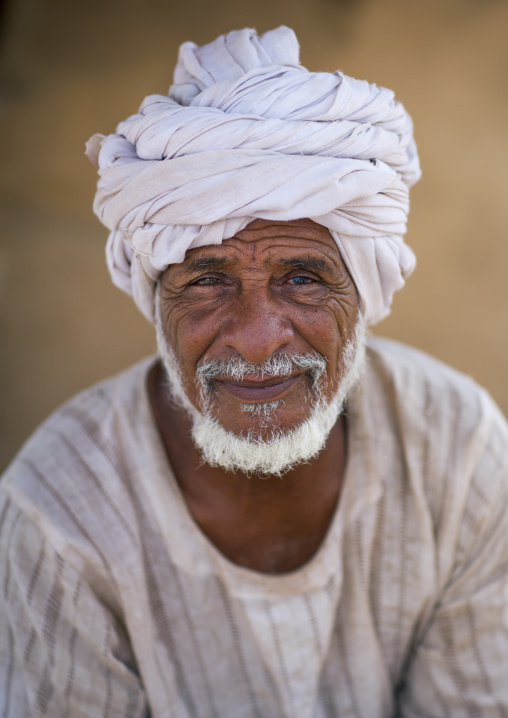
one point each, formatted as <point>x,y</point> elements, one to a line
<point>259,391</point>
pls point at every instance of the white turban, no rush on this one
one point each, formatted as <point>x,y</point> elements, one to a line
<point>247,132</point>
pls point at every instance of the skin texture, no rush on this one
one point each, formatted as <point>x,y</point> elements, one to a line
<point>274,287</point>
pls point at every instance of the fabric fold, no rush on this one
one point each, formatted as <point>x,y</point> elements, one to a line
<point>246,132</point>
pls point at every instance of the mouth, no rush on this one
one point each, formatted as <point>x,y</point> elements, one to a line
<point>259,391</point>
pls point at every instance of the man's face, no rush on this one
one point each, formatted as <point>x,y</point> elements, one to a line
<point>276,288</point>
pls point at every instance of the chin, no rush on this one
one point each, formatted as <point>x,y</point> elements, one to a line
<point>273,451</point>
<point>261,421</point>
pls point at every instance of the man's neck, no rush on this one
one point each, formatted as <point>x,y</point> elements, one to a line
<point>268,524</point>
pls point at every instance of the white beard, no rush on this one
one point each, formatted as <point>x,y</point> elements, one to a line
<point>282,450</point>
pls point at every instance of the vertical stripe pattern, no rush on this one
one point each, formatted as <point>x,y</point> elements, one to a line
<point>114,603</point>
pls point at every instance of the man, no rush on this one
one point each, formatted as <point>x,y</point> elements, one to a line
<point>274,520</point>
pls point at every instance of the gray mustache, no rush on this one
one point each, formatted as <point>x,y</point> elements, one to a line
<point>236,369</point>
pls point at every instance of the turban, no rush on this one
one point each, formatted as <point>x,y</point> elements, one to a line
<point>246,132</point>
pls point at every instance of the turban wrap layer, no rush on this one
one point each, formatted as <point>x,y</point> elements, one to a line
<point>246,132</point>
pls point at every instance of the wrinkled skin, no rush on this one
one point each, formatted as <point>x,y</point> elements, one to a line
<point>274,287</point>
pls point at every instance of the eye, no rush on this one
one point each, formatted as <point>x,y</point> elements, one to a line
<point>206,282</point>
<point>301,279</point>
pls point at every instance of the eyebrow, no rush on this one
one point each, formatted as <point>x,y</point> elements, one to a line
<point>200,263</point>
<point>319,265</point>
<point>204,263</point>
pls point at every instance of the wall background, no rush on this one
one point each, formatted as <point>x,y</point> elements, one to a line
<point>70,69</point>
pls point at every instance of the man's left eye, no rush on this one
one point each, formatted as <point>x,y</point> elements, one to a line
<point>301,280</point>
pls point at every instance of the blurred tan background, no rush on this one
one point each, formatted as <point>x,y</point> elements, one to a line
<point>70,68</point>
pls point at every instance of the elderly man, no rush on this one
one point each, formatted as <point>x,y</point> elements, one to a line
<point>275,519</point>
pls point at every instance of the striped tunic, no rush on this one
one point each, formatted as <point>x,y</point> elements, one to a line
<point>114,603</point>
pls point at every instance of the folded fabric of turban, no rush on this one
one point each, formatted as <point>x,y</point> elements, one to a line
<point>246,132</point>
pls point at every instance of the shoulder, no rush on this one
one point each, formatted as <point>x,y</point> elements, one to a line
<point>96,412</point>
<point>403,365</point>
<point>430,398</point>
<point>440,435</point>
<point>424,391</point>
<point>75,475</point>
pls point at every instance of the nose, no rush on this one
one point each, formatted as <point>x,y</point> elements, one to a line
<point>256,328</point>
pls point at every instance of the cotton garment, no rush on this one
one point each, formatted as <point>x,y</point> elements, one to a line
<point>247,132</point>
<point>114,603</point>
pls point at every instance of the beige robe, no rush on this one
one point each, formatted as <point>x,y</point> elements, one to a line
<point>113,603</point>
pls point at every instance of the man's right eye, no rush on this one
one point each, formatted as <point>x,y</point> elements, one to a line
<point>206,282</point>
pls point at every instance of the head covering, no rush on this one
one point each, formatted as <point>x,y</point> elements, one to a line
<point>246,132</point>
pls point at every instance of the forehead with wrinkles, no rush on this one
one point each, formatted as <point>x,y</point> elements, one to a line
<point>298,244</point>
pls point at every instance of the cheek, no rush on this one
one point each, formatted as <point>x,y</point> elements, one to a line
<point>188,335</point>
<point>328,331</point>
